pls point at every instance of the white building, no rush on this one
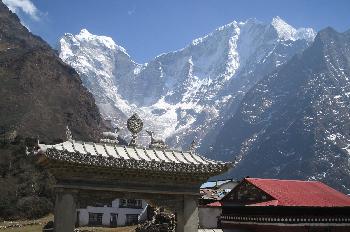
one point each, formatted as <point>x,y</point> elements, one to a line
<point>120,213</point>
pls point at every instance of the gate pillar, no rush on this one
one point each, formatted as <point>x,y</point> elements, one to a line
<point>187,214</point>
<point>65,210</point>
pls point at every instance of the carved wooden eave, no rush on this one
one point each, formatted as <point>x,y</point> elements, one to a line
<point>74,160</point>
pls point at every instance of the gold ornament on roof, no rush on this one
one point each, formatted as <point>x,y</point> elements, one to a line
<point>135,125</point>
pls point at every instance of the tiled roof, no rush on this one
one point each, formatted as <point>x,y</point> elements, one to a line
<point>129,157</point>
<point>300,193</point>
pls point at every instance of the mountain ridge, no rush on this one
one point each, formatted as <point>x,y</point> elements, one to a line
<point>295,122</point>
<point>175,91</point>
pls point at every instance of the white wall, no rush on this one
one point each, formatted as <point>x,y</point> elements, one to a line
<point>208,217</point>
<point>122,212</point>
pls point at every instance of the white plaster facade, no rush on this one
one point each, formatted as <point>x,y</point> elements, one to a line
<point>116,209</point>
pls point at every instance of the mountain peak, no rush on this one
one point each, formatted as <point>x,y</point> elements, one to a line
<point>86,37</point>
<point>232,26</point>
<point>278,21</point>
<point>106,41</point>
<point>283,29</point>
<point>328,30</point>
<point>327,35</point>
<point>84,31</point>
<point>288,32</point>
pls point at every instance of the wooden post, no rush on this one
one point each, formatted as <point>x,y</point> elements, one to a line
<point>65,210</point>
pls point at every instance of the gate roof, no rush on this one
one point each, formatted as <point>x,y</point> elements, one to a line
<point>129,158</point>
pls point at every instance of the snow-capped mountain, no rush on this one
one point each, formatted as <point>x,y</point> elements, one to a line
<point>184,94</point>
<point>295,123</point>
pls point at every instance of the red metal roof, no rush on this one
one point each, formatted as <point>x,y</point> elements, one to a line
<point>300,193</point>
<point>214,204</point>
<point>265,203</point>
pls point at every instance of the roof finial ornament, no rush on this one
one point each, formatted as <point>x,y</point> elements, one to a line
<point>69,136</point>
<point>110,137</point>
<point>193,146</point>
<point>156,143</point>
<point>135,125</point>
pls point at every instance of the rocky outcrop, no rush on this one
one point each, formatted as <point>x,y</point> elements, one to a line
<point>39,94</point>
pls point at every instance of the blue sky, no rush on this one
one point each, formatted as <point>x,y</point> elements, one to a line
<point>147,28</point>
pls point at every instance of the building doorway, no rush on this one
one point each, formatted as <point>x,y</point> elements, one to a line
<point>113,220</point>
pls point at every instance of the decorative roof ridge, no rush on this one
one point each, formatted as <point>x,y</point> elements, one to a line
<point>126,151</point>
<point>144,151</point>
<point>119,145</point>
<point>172,152</point>
<point>105,149</point>
<point>210,160</point>
<point>137,154</point>
<point>116,151</point>
<point>84,148</point>
<point>185,158</point>
<point>166,156</point>
<point>135,164</point>
<point>156,155</point>
<point>195,158</point>
<point>201,160</point>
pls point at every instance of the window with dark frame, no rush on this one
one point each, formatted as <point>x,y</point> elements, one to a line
<point>132,219</point>
<point>95,219</point>
<point>130,203</point>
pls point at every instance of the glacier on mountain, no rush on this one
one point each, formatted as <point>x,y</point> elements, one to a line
<point>188,93</point>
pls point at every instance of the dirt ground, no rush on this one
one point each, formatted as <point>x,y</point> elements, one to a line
<point>37,225</point>
<point>119,229</point>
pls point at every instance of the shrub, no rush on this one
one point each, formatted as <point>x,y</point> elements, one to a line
<point>34,207</point>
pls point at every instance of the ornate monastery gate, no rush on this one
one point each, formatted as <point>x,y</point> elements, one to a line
<point>87,171</point>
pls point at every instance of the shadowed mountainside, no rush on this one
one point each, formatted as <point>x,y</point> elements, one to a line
<point>39,96</point>
<point>295,123</point>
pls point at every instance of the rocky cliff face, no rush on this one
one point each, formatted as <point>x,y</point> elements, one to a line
<point>184,94</point>
<point>39,94</point>
<point>295,123</point>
